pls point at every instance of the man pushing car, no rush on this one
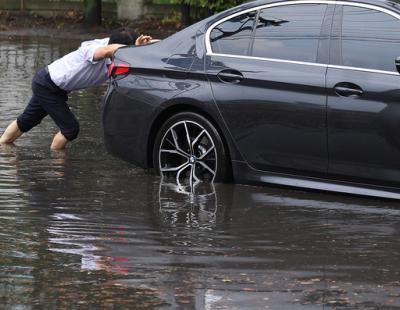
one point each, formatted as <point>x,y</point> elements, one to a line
<point>83,68</point>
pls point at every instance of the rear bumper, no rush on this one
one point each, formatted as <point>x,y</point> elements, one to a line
<point>125,127</point>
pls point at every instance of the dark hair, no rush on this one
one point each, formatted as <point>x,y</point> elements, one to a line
<point>123,35</point>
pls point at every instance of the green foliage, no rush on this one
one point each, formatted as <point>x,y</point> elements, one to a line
<point>213,6</point>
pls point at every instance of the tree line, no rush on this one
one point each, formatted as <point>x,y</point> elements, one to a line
<point>190,10</point>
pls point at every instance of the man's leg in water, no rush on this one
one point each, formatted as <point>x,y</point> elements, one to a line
<point>54,102</point>
<point>47,99</point>
<point>59,142</point>
<point>11,134</point>
<point>61,114</point>
<point>31,117</point>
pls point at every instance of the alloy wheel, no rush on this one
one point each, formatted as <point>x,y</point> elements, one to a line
<point>187,152</point>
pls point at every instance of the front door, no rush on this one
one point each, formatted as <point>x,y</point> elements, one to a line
<point>364,96</point>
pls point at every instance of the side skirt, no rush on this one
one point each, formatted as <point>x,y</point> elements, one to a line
<point>244,174</point>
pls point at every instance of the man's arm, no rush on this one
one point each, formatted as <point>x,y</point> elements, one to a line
<point>105,51</point>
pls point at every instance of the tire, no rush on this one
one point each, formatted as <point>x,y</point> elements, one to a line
<point>204,159</point>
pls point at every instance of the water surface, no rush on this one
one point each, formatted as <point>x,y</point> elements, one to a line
<point>82,230</point>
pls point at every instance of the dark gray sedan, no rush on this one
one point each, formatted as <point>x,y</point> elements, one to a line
<point>293,93</point>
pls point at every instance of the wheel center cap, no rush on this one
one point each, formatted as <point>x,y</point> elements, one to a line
<point>192,159</point>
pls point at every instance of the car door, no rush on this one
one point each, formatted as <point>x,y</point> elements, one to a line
<point>364,95</point>
<point>267,71</point>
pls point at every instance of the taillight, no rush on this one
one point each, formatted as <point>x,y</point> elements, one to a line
<point>121,69</point>
<point>116,69</point>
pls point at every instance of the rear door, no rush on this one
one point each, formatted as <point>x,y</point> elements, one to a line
<point>267,69</point>
<point>364,95</point>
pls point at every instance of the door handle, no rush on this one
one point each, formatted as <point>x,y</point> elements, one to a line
<point>346,89</point>
<point>230,76</point>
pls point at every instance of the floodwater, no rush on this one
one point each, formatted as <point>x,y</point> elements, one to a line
<point>82,230</point>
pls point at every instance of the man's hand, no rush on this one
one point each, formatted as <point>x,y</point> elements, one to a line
<point>142,40</point>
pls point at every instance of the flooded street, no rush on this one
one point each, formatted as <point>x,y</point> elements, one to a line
<point>83,230</point>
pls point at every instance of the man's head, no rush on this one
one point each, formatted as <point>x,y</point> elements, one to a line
<point>123,35</point>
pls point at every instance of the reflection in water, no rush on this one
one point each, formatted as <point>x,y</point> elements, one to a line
<point>81,227</point>
<point>197,203</point>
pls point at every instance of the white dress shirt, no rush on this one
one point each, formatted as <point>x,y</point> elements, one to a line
<point>78,70</point>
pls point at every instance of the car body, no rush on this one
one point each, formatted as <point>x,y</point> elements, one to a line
<point>293,93</point>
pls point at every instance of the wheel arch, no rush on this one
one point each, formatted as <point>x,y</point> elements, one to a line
<point>184,105</point>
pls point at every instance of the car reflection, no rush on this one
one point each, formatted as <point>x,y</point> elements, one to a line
<point>197,202</point>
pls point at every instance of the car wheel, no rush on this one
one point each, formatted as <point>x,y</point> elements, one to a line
<point>189,147</point>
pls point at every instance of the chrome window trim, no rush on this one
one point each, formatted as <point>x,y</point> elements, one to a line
<point>363,70</point>
<point>314,64</point>
<point>209,51</point>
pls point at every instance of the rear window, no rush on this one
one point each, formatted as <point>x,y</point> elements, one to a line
<point>233,36</point>
<point>290,32</point>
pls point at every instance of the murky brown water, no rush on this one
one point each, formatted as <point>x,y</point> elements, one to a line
<point>82,230</point>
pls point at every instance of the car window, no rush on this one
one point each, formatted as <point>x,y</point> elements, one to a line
<point>234,35</point>
<point>370,39</point>
<point>290,32</point>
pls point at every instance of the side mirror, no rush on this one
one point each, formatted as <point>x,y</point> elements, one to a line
<point>398,64</point>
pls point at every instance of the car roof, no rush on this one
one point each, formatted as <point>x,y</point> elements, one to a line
<point>391,4</point>
<point>374,2</point>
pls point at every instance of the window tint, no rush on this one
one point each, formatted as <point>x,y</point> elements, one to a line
<point>234,35</point>
<point>289,32</point>
<point>370,39</point>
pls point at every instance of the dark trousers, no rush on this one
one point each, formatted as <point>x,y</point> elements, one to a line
<point>48,99</point>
